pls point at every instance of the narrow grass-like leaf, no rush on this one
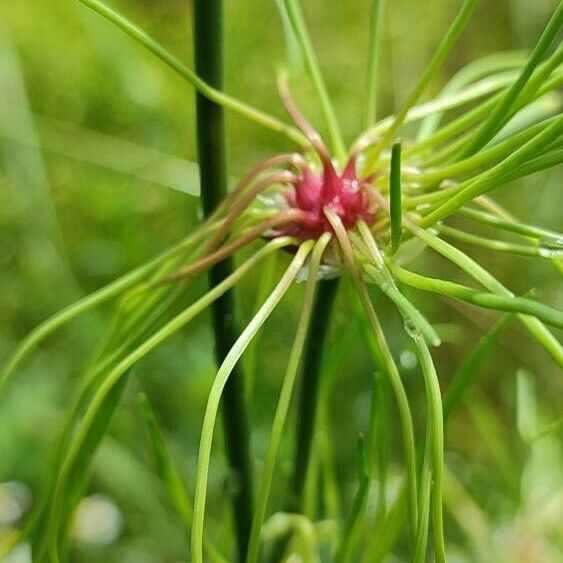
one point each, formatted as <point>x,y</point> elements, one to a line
<point>395,197</point>
<point>286,393</point>
<point>509,225</point>
<point>489,179</point>
<point>407,309</point>
<point>295,59</point>
<point>438,58</point>
<point>301,33</point>
<point>436,439</point>
<point>493,244</point>
<point>463,124</point>
<point>216,391</point>
<point>425,492</point>
<point>537,164</point>
<point>491,64</point>
<point>247,111</point>
<point>484,156</point>
<point>498,117</point>
<point>440,105</point>
<point>534,326</point>
<point>351,531</point>
<point>374,55</point>
<point>380,275</point>
<point>467,372</point>
<point>171,477</point>
<point>89,302</point>
<point>386,358</point>
<point>98,404</point>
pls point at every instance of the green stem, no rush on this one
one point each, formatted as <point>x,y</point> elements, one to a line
<point>536,328</point>
<point>506,303</point>
<point>482,157</point>
<point>425,487</point>
<point>310,388</point>
<point>489,65</point>
<point>439,105</point>
<point>208,44</point>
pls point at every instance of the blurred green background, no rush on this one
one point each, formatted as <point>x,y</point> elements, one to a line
<point>96,176</point>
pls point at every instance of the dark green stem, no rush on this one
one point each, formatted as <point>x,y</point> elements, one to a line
<point>310,386</point>
<point>208,39</point>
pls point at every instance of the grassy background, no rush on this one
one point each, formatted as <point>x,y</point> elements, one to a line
<point>78,207</point>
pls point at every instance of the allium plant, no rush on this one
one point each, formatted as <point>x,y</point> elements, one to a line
<point>332,213</point>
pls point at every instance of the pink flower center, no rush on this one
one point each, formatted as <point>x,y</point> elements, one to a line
<point>345,194</point>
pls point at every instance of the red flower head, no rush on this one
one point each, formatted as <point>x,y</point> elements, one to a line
<point>343,193</point>
<point>346,194</point>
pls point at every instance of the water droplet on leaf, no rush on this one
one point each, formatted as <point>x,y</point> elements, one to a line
<point>411,329</point>
<point>551,247</point>
<point>408,359</point>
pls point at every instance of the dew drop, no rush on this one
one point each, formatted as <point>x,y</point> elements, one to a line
<point>421,207</point>
<point>411,329</point>
<point>551,247</point>
<point>408,359</point>
<point>98,521</point>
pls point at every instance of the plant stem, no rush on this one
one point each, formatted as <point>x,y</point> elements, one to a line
<point>208,44</point>
<point>310,386</point>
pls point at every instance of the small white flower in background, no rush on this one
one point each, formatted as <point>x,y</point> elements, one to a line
<point>15,498</point>
<point>20,554</point>
<point>98,521</point>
